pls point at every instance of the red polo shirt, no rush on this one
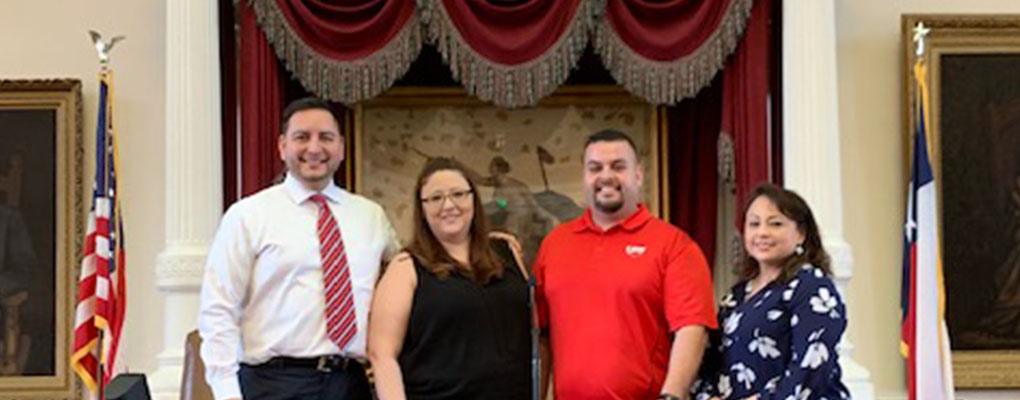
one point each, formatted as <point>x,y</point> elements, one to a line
<point>611,299</point>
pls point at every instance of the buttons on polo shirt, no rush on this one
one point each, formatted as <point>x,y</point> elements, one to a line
<point>600,244</point>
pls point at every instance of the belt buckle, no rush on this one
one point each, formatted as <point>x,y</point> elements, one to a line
<point>328,363</point>
<point>324,364</point>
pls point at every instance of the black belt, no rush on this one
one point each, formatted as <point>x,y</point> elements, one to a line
<point>321,363</point>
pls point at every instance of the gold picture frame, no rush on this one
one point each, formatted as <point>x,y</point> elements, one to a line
<point>526,161</point>
<point>973,63</point>
<point>41,210</point>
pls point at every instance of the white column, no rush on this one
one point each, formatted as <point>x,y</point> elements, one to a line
<point>194,185</point>
<point>811,150</point>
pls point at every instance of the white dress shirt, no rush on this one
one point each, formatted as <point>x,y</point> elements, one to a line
<point>262,293</point>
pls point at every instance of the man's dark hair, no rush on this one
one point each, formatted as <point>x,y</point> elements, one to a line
<point>610,135</point>
<point>307,103</point>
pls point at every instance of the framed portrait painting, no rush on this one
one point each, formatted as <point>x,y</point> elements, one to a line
<point>40,235</point>
<point>526,162</point>
<point>974,80</point>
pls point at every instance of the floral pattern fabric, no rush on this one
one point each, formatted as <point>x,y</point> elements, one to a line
<point>778,343</point>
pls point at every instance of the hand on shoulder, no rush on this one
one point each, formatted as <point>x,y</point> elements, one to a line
<point>402,257</point>
<point>402,262</point>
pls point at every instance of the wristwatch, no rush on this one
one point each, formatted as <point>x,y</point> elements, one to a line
<point>667,396</point>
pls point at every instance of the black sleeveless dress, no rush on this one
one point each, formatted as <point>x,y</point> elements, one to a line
<point>468,341</point>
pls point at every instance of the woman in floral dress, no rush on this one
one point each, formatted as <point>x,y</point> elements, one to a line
<point>780,324</point>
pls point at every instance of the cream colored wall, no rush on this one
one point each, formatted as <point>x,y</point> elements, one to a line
<point>49,39</point>
<point>870,85</point>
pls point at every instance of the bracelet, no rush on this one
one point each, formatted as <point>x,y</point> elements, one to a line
<point>667,396</point>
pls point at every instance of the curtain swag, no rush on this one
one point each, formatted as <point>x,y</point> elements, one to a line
<point>510,64</point>
<point>666,51</point>
<point>511,53</point>
<point>346,51</point>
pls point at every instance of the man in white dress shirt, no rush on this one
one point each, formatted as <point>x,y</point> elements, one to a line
<point>269,328</point>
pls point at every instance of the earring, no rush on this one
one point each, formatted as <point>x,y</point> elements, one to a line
<point>800,249</point>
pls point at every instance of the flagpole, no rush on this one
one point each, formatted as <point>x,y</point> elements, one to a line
<point>916,111</point>
<point>101,381</point>
<point>103,53</point>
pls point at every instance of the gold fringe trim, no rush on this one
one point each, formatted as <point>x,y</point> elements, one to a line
<point>508,86</point>
<point>737,252</point>
<point>669,82</point>
<point>725,163</point>
<point>347,82</point>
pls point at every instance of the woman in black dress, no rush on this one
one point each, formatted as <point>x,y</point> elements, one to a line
<point>450,317</point>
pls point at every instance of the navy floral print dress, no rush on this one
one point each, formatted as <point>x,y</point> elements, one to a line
<point>779,343</point>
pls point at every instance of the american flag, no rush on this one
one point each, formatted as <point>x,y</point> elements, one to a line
<point>99,315</point>
<point>925,339</point>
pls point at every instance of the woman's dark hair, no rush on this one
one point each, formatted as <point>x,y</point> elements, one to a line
<point>795,208</point>
<point>484,264</point>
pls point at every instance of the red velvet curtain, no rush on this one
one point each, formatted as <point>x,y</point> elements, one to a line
<point>343,50</point>
<point>693,129</point>
<point>509,52</point>
<point>262,95</point>
<point>667,50</point>
<point>732,117</point>
<point>512,53</point>
<point>746,119</point>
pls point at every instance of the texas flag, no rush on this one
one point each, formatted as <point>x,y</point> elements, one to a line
<point>925,340</point>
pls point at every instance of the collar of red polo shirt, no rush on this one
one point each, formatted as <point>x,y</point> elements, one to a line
<point>630,224</point>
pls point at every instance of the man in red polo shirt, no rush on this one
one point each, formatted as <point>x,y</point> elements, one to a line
<point>623,297</point>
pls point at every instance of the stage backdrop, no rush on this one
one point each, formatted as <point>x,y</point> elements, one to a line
<point>527,162</point>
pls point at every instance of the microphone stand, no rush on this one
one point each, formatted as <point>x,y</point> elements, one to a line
<point>536,358</point>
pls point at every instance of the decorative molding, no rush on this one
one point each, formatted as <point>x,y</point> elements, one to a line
<point>975,369</point>
<point>176,269</point>
<point>41,85</point>
<point>965,21</point>
<point>841,256</point>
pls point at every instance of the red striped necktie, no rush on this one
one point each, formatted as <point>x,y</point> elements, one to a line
<point>340,320</point>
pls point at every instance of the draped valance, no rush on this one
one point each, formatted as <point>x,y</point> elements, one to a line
<point>509,52</point>
<point>665,51</point>
<point>343,50</point>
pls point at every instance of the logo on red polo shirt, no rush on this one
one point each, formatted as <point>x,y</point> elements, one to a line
<point>635,250</point>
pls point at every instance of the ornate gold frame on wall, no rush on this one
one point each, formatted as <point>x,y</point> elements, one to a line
<point>63,97</point>
<point>949,35</point>
<point>421,98</point>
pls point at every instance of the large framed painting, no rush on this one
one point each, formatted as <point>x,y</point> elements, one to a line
<point>40,235</point>
<point>974,76</point>
<point>526,162</point>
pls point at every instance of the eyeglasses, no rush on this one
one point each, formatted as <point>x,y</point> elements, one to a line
<point>458,197</point>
